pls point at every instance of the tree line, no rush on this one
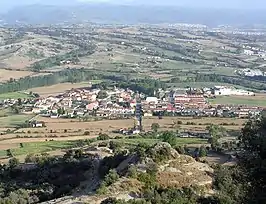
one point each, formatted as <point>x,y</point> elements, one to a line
<point>73,56</point>
<point>146,86</point>
<point>250,83</point>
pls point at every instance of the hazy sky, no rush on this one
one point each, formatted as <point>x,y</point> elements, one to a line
<point>242,4</point>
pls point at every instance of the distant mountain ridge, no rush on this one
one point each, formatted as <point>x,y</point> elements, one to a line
<point>6,5</point>
<point>130,14</point>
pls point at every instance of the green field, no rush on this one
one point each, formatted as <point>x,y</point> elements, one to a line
<point>11,121</point>
<point>180,141</point>
<point>14,95</point>
<point>96,81</point>
<point>250,101</point>
<point>39,147</point>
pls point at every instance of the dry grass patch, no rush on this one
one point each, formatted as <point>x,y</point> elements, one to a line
<point>165,123</point>
<point>58,88</point>
<point>5,75</point>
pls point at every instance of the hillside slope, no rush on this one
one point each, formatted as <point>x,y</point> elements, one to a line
<point>172,170</point>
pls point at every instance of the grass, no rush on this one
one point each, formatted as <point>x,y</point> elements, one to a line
<point>14,95</point>
<point>96,81</point>
<point>11,121</point>
<point>39,147</point>
<point>238,100</point>
<point>180,141</point>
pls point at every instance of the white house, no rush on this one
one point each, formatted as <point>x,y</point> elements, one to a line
<point>152,100</point>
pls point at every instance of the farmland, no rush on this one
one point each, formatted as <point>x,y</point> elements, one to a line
<point>60,133</point>
<point>38,147</point>
<point>6,75</point>
<point>258,100</point>
<point>14,95</point>
<point>58,88</point>
<point>10,120</point>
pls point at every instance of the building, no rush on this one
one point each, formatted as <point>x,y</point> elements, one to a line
<point>227,91</point>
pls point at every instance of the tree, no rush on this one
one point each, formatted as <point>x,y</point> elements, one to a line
<point>111,177</point>
<point>60,111</point>
<point>78,154</point>
<point>21,145</point>
<point>216,132</point>
<point>253,158</point>
<point>155,127</point>
<point>15,109</point>
<point>30,158</point>
<point>213,130</point>
<point>13,162</point>
<point>103,137</point>
<point>9,153</point>
<point>19,102</point>
<point>102,95</point>
<point>169,137</point>
<point>115,146</point>
<point>202,151</point>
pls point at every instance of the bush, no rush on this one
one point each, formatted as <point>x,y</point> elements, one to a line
<point>180,149</point>
<point>132,172</point>
<point>169,137</point>
<point>30,158</point>
<point>9,153</point>
<point>111,177</point>
<point>102,190</point>
<point>202,151</point>
<point>13,162</point>
<point>179,122</point>
<point>115,146</point>
<point>103,137</point>
<point>155,127</point>
<point>87,133</point>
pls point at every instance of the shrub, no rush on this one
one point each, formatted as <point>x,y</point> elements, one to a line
<point>13,162</point>
<point>30,158</point>
<point>111,177</point>
<point>202,151</point>
<point>103,137</point>
<point>102,190</point>
<point>155,127</point>
<point>180,149</point>
<point>115,146</point>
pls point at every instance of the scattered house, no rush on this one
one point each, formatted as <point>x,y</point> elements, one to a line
<point>92,106</point>
<point>153,100</point>
<point>37,124</point>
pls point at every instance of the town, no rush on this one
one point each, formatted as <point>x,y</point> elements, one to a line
<point>118,103</point>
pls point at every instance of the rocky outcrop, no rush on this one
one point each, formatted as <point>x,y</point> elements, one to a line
<point>174,170</point>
